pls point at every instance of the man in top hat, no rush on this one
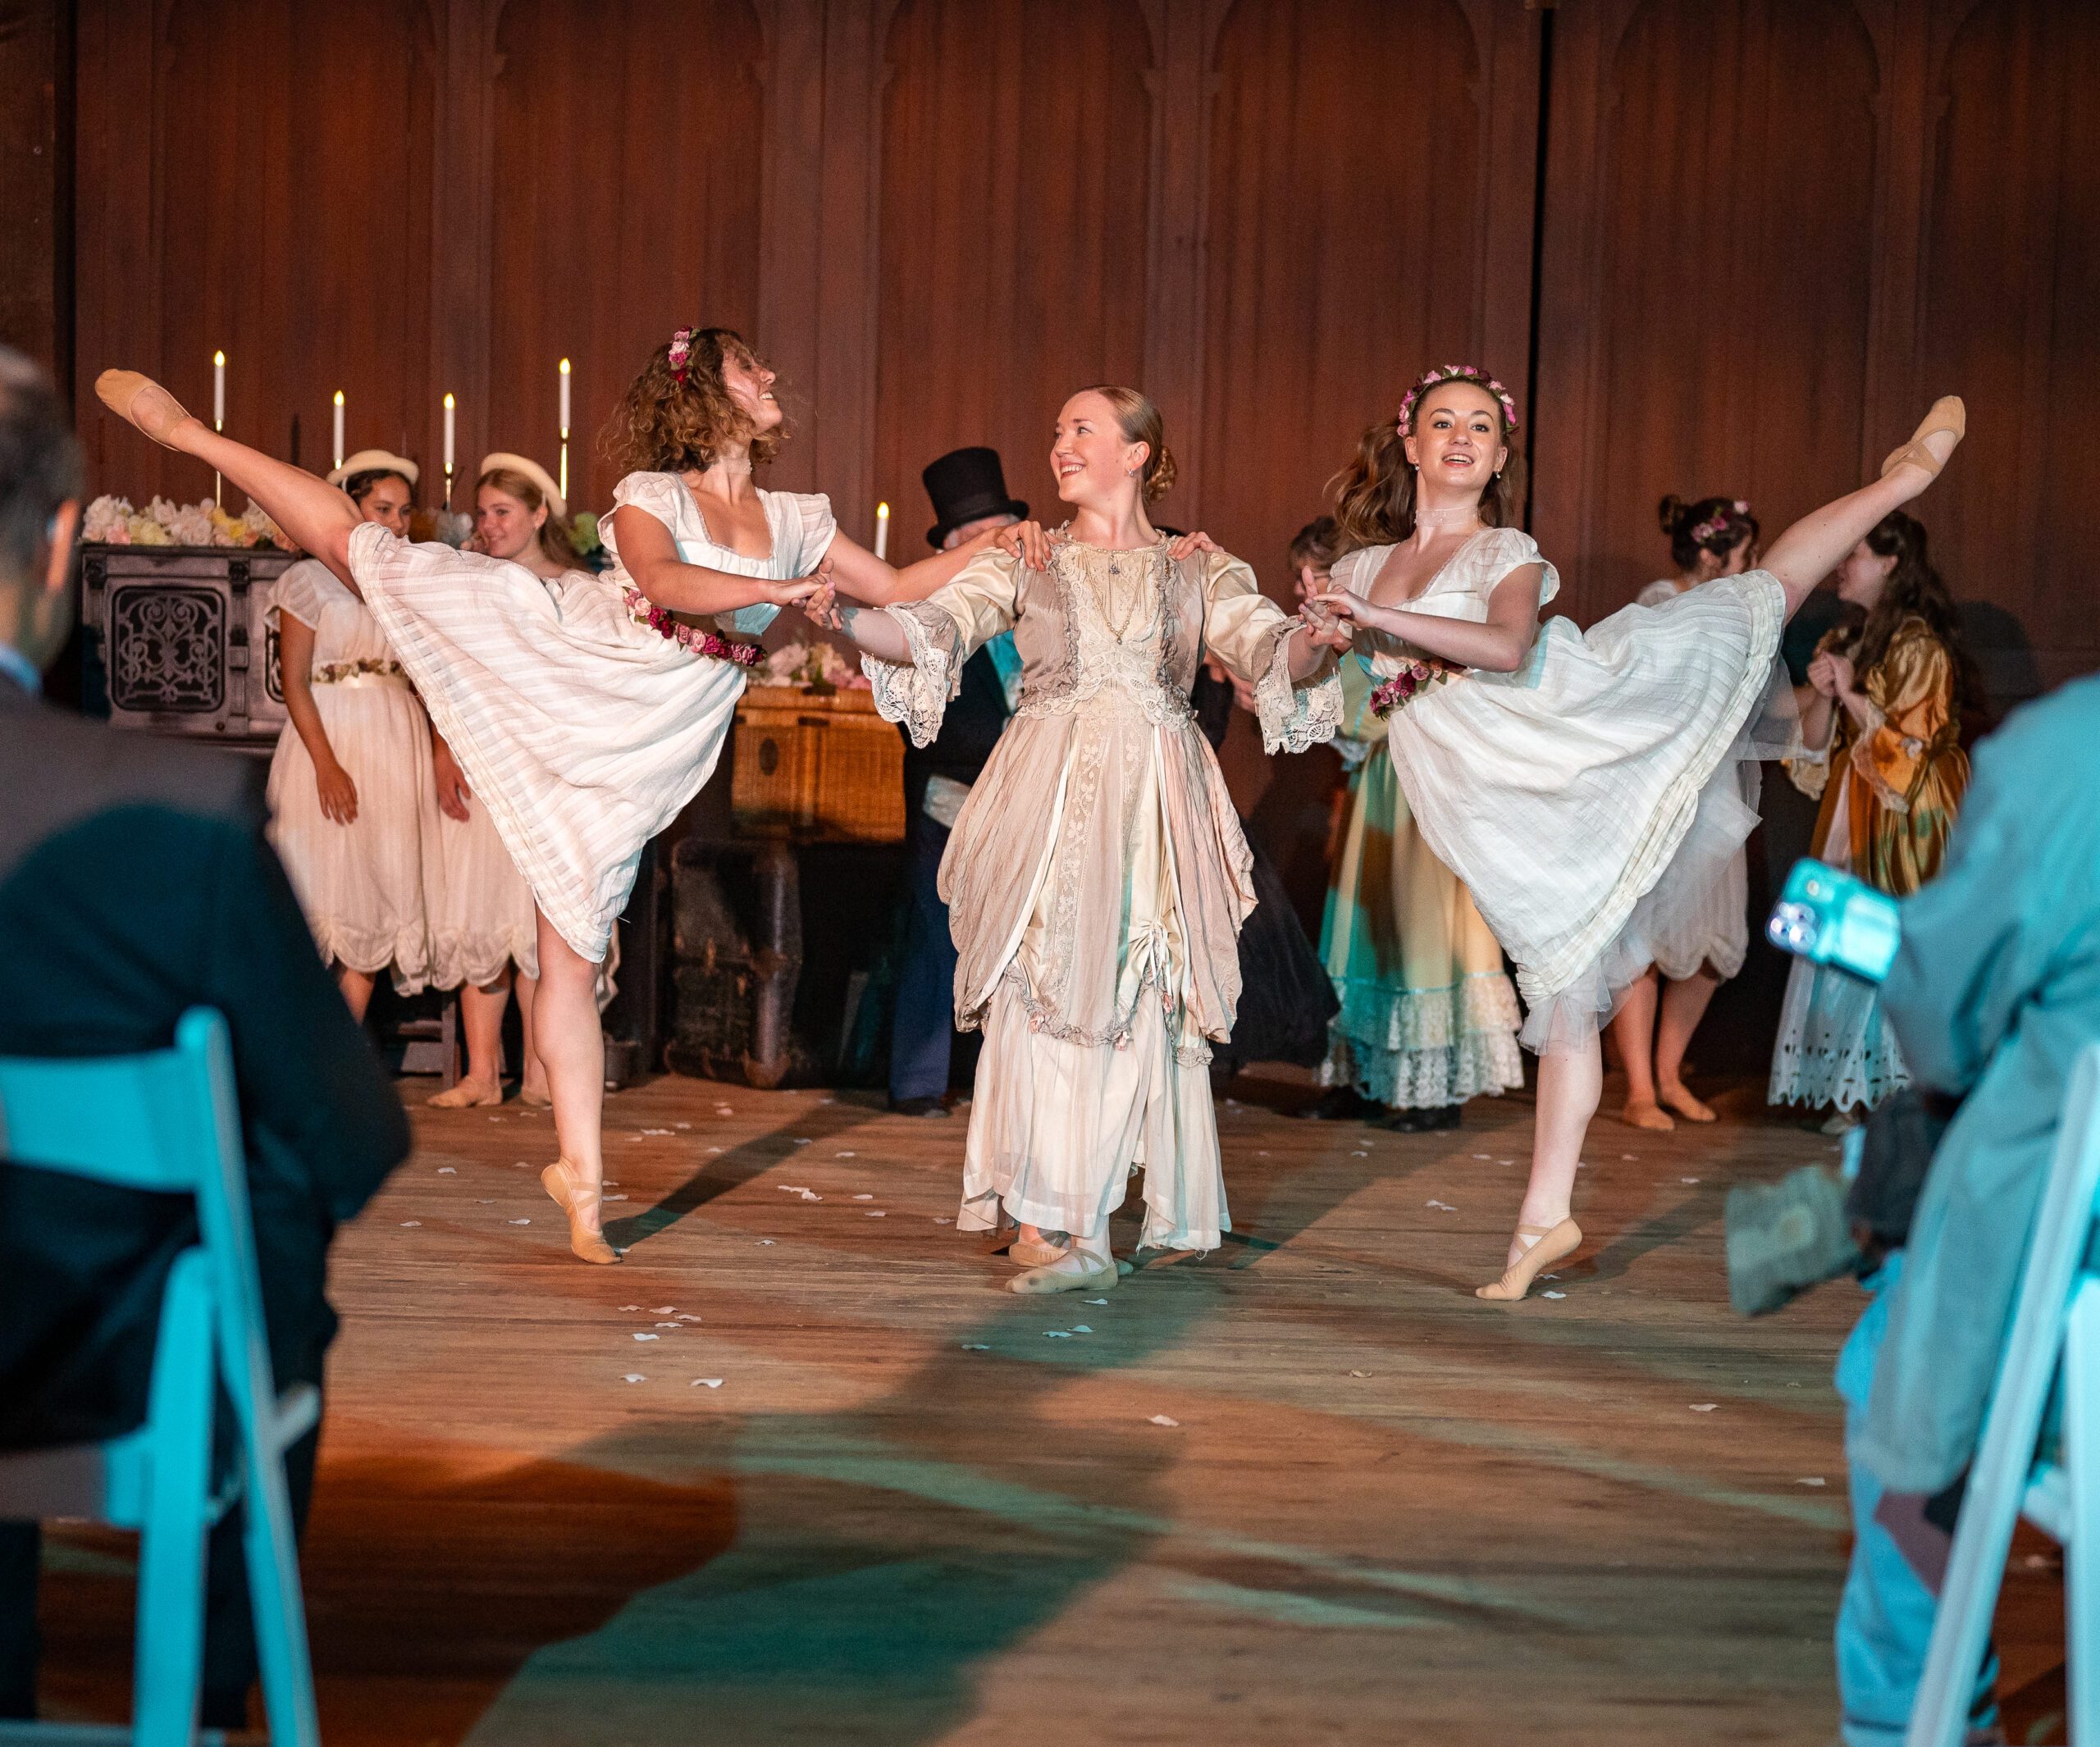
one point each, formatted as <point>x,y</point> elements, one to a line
<point>968,488</point>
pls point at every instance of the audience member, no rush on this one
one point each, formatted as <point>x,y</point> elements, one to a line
<point>134,884</point>
<point>1994,992</point>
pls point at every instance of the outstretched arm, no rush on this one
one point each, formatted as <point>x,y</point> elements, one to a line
<point>651,556</point>
<point>870,627</point>
<point>857,572</point>
<point>1498,645</point>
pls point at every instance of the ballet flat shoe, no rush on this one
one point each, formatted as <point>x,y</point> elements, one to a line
<point>1555,1244</point>
<point>534,1099</point>
<point>1652,1117</point>
<point>1037,1281</point>
<point>141,401</point>
<point>1946,413</point>
<point>1691,1108</point>
<point>1029,1255</point>
<point>468,1094</point>
<point>571,1196</point>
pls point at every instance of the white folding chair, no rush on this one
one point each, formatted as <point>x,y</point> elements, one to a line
<point>168,1121</point>
<point>2058,1320</point>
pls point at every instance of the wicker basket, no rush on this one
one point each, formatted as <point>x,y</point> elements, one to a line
<point>821,765</point>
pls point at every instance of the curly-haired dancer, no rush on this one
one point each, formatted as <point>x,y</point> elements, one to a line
<point>583,724</point>
<point>1581,784</point>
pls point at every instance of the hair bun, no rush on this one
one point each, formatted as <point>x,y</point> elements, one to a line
<point>1160,476</point>
<point>1672,511</point>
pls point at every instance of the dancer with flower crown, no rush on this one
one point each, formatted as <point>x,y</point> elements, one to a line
<point>1583,785</point>
<point>584,722</point>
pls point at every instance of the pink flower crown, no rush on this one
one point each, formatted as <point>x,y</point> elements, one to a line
<point>1458,373</point>
<point>682,353</point>
<point>1719,522</point>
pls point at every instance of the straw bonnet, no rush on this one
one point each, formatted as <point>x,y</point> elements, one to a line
<point>556,505</point>
<point>376,461</point>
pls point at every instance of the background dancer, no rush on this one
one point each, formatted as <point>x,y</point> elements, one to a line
<point>484,933</point>
<point>351,781</point>
<point>1097,876</point>
<point>584,724</point>
<point>968,490</point>
<point>1716,536</point>
<point>1581,784</point>
<point>1881,714</point>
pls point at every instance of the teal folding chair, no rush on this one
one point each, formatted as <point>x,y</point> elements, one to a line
<point>169,1121</point>
<point>2056,1329</point>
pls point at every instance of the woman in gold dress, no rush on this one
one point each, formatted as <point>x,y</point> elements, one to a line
<point>1881,716</point>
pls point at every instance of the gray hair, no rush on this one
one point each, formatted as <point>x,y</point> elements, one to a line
<point>40,463</point>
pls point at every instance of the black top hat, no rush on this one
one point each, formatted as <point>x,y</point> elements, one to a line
<point>966,485</point>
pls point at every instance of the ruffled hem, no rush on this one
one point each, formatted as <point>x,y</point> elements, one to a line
<point>916,697</point>
<point>475,962</point>
<point>1835,1045</point>
<point>1416,1049</point>
<point>369,952</point>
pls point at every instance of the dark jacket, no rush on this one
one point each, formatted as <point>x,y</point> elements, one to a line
<point>134,884</point>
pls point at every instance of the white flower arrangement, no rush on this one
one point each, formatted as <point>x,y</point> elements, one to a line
<point>806,661</point>
<point>112,521</point>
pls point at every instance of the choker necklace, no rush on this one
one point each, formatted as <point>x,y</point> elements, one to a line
<point>1438,518</point>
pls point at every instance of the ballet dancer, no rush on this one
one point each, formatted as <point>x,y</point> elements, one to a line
<point>584,724</point>
<point>1582,785</point>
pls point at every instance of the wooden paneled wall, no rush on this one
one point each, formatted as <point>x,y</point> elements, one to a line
<point>1769,232</point>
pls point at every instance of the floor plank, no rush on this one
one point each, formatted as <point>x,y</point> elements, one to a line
<point>918,1508</point>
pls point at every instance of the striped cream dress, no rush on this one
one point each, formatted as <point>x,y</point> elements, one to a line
<point>582,731</point>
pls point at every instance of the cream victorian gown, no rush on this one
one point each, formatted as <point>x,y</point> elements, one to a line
<point>1591,799</point>
<point>582,730</point>
<point>1097,876</point>
<point>361,885</point>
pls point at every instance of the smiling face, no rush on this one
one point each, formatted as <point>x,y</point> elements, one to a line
<point>1863,576</point>
<point>1092,460</point>
<point>504,526</point>
<point>1456,439</point>
<point>749,385</point>
<point>387,504</point>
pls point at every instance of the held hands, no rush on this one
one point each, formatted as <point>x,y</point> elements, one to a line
<point>339,794</point>
<point>453,793</point>
<point>1350,608</point>
<point>821,605</point>
<point>1831,675</point>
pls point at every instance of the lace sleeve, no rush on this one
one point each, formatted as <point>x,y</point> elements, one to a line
<point>1250,634</point>
<point>916,697</point>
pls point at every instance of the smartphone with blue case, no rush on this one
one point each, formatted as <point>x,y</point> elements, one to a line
<point>1830,918</point>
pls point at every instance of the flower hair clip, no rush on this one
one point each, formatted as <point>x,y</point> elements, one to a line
<point>1718,524</point>
<point>682,353</point>
<point>1458,373</point>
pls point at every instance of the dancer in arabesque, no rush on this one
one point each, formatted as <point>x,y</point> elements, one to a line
<point>1097,876</point>
<point>584,722</point>
<point>1581,784</point>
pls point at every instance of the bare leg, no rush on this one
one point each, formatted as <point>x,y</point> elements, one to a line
<point>317,516</point>
<point>481,1017</point>
<point>532,1071</point>
<point>1811,549</point>
<point>565,1030</point>
<point>1570,1083</point>
<point>1684,1005</point>
<point>356,985</point>
<point>1634,1032</point>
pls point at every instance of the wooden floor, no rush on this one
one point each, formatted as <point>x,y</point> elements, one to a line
<point>799,1471</point>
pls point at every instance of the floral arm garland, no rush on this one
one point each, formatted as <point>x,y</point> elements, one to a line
<point>644,611</point>
<point>1416,676</point>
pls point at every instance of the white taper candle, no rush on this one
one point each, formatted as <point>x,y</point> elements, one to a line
<point>339,427</point>
<point>565,397</point>
<point>218,390</point>
<point>882,531</point>
<point>448,416</point>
